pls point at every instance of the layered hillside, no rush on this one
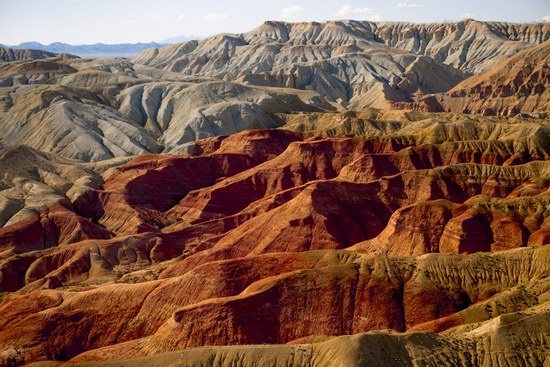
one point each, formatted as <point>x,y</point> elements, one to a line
<point>469,45</point>
<point>274,237</point>
<point>518,84</point>
<point>238,201</point>
<point>373,349</point>
<point>356,63</point>
<point>96,110</point>
<point>32,181</point>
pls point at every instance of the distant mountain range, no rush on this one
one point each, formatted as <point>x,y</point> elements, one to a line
<point>98,48</point>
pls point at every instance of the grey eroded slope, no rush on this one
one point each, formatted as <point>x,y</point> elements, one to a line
<point>469,45</point>
<point>330,58</point>
<point>97,110</point>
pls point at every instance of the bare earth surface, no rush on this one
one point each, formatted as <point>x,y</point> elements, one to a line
<point>310,194</point>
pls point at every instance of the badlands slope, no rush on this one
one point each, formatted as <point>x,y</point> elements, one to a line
<point>92,110</point>
<point>240,200</point>
<point>355,63</point>
<point>468,45</point>
<point>274,237</point>
<point>520,83</point>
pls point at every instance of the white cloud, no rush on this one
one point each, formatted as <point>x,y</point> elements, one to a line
<point>180,17</point>
<point>348,9</point>
<point>130,21</point>
<point>292,10</point>
<point>468,15</point>
<point>216,16</point>
<point>546,18</point>
<point>409,5</point>
<point>157,17</point>
<point>360,13</point>
<point>373,18</point>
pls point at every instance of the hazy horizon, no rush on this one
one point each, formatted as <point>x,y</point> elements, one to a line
<point>120,21</point>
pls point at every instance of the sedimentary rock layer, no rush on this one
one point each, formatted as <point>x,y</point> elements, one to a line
<point>272,236</point>
<point>355,63</point>
<point>98,110</point>
<point>518,84</point>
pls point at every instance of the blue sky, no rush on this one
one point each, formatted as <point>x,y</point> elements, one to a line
<point>116,21</point>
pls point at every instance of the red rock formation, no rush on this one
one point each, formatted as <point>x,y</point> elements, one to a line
<point>241,242</point>
<point>343,293</point>
<point>57,225</point>
<point>412,230</point>
<point>467,232</point>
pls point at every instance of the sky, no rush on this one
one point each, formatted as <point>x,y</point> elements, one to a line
<point>120,21</point>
